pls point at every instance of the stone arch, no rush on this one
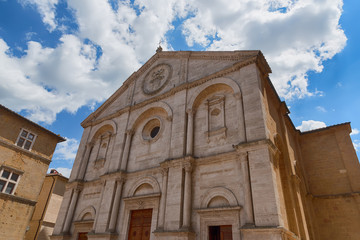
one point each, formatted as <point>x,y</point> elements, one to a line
<point>147,110</point>
<point>219,192</point>
<point>106,125</point>
<point>145,180</point>
<point>90,210</point>
<point>217,81</point>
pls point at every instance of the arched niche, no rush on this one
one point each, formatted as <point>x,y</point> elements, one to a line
<point>217,196</point>
<point>87,214</point>
<point>106,126</point>
<point>144,189</point>
<point>144,186</point>
<point>217,202</point>
<point>210,87</point>
<point>153,109</point>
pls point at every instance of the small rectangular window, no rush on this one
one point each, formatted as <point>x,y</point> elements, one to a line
<point>26,139</point>
<point>2,185</point>
<point>5,174</point>
<point>8,181</point>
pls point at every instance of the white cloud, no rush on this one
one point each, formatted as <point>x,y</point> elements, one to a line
<point>310,125</point>
<point>64,171</point>
<point>110,44</point>
<point>295,39</point>
<point>321,109</point>
<point>356,145</point>
<point>46,9</point>
<point>354,131</point>
<point>66,150</point>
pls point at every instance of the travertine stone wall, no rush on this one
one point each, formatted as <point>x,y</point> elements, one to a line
<point>226,154</point>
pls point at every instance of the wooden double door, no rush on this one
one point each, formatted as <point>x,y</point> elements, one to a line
<point>140,224</point>
<point>223,232</point>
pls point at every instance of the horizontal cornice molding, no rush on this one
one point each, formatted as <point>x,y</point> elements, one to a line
<point>24,151</point>
<point>13,198</point>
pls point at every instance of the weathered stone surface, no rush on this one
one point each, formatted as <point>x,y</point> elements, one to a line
<point>202,139</point>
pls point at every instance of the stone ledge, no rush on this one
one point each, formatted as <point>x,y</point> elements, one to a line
<point>17,199</point>
<point>25,152</point>
<point>102,236</point>
<point>275,230</point>
<point>179,234</point>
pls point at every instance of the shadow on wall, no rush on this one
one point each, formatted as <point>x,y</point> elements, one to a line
<point>44,234</point>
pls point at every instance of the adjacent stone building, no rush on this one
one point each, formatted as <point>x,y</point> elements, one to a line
<point>198,145</point>
<point>26,149</point>
<point>47,207</point>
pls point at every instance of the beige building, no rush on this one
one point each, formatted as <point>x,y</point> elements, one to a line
<point>198,145</point>
<point>47,207</point>
<point>26,149</point>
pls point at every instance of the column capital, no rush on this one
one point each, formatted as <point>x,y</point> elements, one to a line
<point>188,167</point>
<point>237,95</point>
<point>130,132</point>
<point>90,144</point>
<point>190,111</point>
<point>243,156</point>
<point>120,180</point>
<point>164,170</point>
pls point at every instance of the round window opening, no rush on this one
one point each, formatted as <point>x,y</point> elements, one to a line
<point>154,132</point>
<point>151,129</point>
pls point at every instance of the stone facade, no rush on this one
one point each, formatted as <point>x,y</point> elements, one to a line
<point>203,140</point>
<point>47,207</point>
<point>25,154</point>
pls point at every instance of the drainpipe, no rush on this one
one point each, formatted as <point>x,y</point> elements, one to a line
<point>46,205</point>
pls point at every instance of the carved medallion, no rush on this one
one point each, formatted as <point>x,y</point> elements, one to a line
<point>156,78</point>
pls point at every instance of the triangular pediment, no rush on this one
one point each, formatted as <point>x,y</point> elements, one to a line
<point>166,71</point>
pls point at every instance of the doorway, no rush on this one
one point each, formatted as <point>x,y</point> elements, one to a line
<point>140,224</point>
<point>82,236</point>
<point>223,232</point>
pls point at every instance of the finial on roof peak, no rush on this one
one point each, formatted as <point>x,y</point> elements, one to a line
<point>159,49</point>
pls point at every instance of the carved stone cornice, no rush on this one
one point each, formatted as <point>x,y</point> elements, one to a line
<point>76,185</point>
<point>119,175</point>
<point>243,148</point>
<point>245,58</point>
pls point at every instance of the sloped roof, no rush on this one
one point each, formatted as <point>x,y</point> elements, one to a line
<point>59,138</point>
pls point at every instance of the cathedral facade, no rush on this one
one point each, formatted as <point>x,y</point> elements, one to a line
<point>198,145</point>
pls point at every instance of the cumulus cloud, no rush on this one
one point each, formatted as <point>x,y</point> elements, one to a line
<point>112,41</point>
<point>295,36</point>
<point>46,9</point>
<point>66,150</point>
<point>354,131</point>
<point>310,125</point>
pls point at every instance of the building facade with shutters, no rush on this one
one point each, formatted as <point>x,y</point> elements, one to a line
<point>198,145</point>
<point>26,149</point>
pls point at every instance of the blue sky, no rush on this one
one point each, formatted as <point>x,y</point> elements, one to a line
<point>61,59</point>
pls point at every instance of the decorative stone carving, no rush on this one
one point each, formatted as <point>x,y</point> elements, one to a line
<point>156,79</point>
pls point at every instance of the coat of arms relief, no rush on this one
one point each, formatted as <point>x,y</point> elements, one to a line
<point>156,78</point>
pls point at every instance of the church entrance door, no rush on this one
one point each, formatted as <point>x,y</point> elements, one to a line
<point>223,232</point>
<point>82,236</point>
<point>140,224</point>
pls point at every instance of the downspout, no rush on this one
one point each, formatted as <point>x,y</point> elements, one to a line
<point>45,208</point>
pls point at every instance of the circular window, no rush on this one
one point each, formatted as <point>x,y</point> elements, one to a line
<point>151,129</point>
<point>154,132</point>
